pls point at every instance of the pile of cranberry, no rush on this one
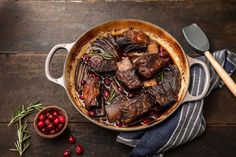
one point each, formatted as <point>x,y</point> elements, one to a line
<point>51,122</point>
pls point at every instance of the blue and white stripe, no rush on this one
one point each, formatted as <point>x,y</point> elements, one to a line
<point>187,122</point>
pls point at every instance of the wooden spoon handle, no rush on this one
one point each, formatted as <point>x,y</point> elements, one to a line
<point>222,73</point>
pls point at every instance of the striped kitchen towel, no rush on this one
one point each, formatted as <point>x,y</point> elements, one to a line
<point>187,122</point>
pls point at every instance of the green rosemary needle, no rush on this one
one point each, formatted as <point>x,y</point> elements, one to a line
<point>24,111</point>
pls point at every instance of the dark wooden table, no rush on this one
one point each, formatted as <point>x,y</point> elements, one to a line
<point>29,29</point>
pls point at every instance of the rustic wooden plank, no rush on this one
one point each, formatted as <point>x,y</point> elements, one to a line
<point>23,80</point>
<point>27,26</point>
<point>98,142</point>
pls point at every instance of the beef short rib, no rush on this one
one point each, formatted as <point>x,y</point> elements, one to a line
<point>126,74</point>
<point>128,111</point>
<point>166,91</point>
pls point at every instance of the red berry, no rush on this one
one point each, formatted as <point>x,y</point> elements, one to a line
<point>92,75</point>
<point>106,93</point>
<point>79,149</point>
<point>81,97</point>
<point>52,132</point>
<point>43,130</point>
<point>91,114</point>
<point>118,123</point>
<point>56,121</point>
<point>42,117</point>
<point>66,153</point>
<point>47,114</point>
<point>83,82</point>
<point>120,89</point>
<point>98,78</point>
<point>146,120</point>
<point>55,114</point>
<point>60,126</point>
<point>107,81</point>
<point>40,124</point>
<point>50,116</point>
<point>61,119</point>
<point>131,95</point>
<point>72,139</point>
<point>50,126</point>
<point>47,122</point>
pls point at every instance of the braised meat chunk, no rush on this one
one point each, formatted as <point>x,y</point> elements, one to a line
<point>126,74</point>
<point>130,110</point>
<point>101,65</point>
<point>165,92</point>
<point>149,65</point>
<point>90,93</point>
<point>132,40</point>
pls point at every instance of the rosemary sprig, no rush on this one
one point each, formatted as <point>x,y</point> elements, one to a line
<point>24,111</point>
<point>111,96</point>
<point>23,135</point>
<point>23,141</point>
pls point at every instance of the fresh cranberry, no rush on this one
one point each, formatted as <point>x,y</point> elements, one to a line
<point>52,132</point>
<point>79,149</point>
<point>72,139</point>
<point>120,89</point>
<point>92,75</point>
<point>131,95</point>
<point>47,122</point>
<point>118,123</point>
<point>163,52</point>
<point>106,93</point>
<point>42,117</point>
<point>91,114</point>
<point>60,126</point>
<point>83,82</point>
<point>44,130</point>
<point>66,153</point>
<point>50,116</point>
<point>47,114</point>
<point>98,78</point>
<point>107,81</point>
<point>81,97</point>
<point>56,121</point>
<point>55,114</point>
<point>40,124</point>
<point>146,120</point>
<point>61,119</point>
<point>50,126</point>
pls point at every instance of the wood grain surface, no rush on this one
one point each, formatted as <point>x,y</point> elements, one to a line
<point>29,29</point>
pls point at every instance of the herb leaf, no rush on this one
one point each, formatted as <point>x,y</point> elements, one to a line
<point>23,135</point>
<point>105,55</point>
<point>111,96</point>
<point>24,111</point>
<point>23,141</point>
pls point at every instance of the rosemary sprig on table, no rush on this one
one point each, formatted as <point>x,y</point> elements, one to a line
<point>24,111</point>
<point>23,135</point>
<point>23,141</point>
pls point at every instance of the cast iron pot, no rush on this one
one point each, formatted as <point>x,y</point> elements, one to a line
<point>77,49</point>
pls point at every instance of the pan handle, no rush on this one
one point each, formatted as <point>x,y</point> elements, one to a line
<point>190,97</point>
<point>60,80</point>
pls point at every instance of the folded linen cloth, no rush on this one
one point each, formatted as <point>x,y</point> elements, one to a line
<point>187,122</point>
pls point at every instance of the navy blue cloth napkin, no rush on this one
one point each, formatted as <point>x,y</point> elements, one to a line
<point>187,122</point>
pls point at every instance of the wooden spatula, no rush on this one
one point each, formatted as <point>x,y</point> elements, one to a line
<point>197,39</point>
